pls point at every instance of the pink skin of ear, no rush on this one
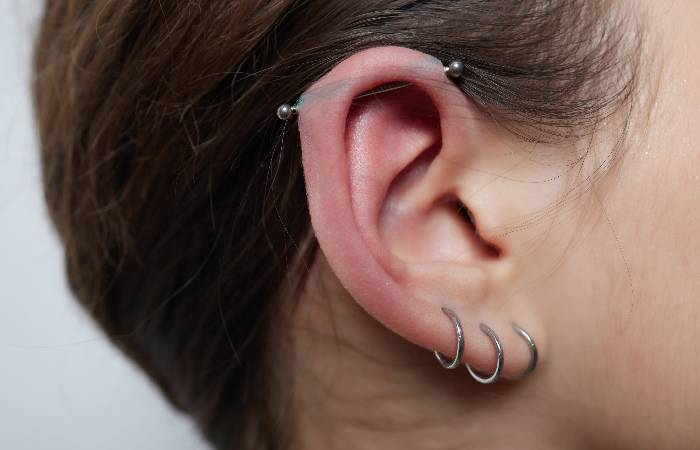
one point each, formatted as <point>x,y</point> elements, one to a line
<point>347,189</point>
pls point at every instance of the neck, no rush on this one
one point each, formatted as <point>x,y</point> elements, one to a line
<point>357,385</point>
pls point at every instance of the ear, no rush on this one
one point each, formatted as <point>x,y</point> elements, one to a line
<point>391,180</point>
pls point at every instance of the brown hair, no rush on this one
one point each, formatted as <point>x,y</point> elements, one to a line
<point>179,196</point>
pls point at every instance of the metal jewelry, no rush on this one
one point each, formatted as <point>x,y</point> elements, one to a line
<point>499,354</point>
<point>533,350</point>
<point>454,69</point>
<point>447,364</point>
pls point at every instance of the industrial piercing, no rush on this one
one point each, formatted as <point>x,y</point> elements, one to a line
<point>454,69</point>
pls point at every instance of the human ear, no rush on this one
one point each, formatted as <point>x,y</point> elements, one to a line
<point>389,177</point>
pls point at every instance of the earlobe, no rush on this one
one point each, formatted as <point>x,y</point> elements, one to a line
<point>385,176</point>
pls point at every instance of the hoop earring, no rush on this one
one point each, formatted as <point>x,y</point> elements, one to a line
<point>533,350</point>
<point>499,353</point>
<point>460,342</point>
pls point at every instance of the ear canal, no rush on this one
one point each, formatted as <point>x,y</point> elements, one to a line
<point>486,248</point>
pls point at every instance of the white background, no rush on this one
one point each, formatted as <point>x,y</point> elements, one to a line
<point>62,385</point>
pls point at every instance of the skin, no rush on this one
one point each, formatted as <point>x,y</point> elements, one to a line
<point>608,285</point>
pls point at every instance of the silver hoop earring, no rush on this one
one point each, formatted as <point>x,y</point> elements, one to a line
<point>533,350</point>
<point>499,353</point>
<point>447,364</point>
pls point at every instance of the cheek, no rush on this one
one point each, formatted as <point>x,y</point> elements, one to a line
<point>667,154</point>
<point>617,278</point>
<point>626,297</point>
<point>650,340</point>
<point>660,199</point>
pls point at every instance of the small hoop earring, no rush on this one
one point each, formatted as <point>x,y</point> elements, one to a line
<point>499,353</point>
<point>447,364</point>
<point>533,350</point>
